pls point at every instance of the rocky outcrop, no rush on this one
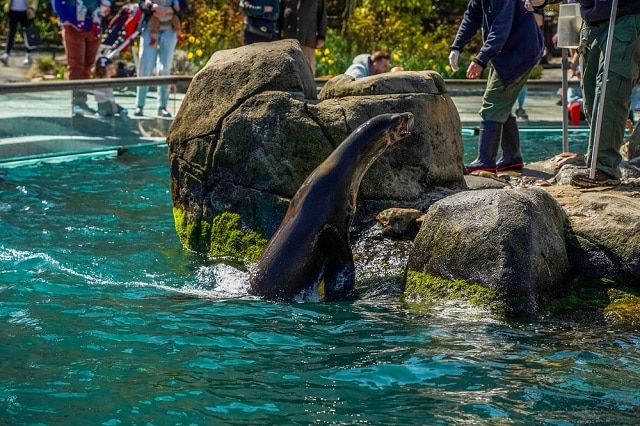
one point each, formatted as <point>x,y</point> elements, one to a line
<point>511,242</point>
<point>251,129</point>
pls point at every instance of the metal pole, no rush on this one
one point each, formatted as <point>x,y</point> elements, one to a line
<point>565,86</point>
<point>603,91</point>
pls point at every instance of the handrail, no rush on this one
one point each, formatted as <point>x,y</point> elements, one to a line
<point>41,86</point>
<point>54,85</point>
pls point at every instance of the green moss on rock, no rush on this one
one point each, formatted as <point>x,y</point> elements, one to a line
<point>223,236</point>
<point>598,299</point>
<point>624,312</point>
<point>421,286</point>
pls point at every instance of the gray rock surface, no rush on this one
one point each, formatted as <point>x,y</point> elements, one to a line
<point>251,129</point>
<point>511,241</point>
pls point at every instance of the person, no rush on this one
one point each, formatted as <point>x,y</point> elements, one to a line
<point>260,20</point>
<point>522,96</point>
<point>18,12</point>
<point>306,21</point>
<point>623,76</point>
<point>107,106</point>
<point>513,44</point>
<point>81,28</point>
<point>154,23</point>
<point>159,55</point>
<point>520,112</point>
<point>365,65</point>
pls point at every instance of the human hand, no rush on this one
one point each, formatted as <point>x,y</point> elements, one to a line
<point>474,70</point>
<point>268,9</point>
<point>30,14</point>
<point>453,60</point>
<point>319,43</point>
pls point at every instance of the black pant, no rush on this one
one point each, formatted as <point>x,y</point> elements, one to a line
<point>16,18</point>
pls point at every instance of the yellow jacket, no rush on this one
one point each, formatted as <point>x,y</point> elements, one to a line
<point>31,4</point>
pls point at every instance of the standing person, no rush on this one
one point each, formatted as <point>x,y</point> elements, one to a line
<point>18,12</point>
<point>365,65</point>
<point>260,20</point>
<point>158,56</point>
<point>81,29</point>
<point>107,106</point>
<point>306,21</point>
<point>624,74</point>
<point>513,45</point>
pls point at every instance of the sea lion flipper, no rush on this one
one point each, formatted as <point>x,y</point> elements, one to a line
<point>339,271</point>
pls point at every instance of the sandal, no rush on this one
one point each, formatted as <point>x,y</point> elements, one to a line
<point>582,180</point>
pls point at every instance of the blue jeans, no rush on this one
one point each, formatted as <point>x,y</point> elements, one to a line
<point>160,57</point>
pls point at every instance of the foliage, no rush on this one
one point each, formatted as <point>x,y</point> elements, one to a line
<point>47,66</point>
<point>209,26</point>
<point>399,27</point>
<point>417,33</point>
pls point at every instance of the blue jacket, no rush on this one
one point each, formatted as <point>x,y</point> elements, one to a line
<point>67,12</point>
<point>513,43</point>
<point>360,67</point>
<point>600,10</point>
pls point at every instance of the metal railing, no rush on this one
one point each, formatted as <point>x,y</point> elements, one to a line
<point>53,85</point>
<point>60,85</point>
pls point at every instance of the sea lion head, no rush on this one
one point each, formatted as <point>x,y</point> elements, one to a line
<point>390,128</point>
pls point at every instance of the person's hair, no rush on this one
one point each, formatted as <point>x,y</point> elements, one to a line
<point>379,55</point>
<point>101,66</point>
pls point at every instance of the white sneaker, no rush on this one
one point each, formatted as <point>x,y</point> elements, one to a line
<point>27,59</point>
<point>5,59</point>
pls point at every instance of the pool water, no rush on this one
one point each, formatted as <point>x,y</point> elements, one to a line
<point>536,143</point>
<point>105,319</point>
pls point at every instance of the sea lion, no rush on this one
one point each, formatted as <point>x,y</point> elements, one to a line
<point>312,242</point>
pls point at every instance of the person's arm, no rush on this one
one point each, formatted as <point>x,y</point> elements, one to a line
<point>250,9</point>
<point>322,24</point>
<point>471,23</point>
<point>32,6</point>
<point>497,33</point>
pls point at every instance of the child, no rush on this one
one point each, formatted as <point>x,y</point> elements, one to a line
<point>154,22</point>
<point>107,106</point>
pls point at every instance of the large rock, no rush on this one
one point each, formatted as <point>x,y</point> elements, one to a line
<point>509,241</point>
<point>251,129</point>
<point>605,231</point>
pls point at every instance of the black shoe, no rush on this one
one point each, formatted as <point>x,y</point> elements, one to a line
<point>162,112</point>
<point>521,113</point>
<point>138,112</point>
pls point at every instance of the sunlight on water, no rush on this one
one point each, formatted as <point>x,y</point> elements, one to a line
<point>105,319</point>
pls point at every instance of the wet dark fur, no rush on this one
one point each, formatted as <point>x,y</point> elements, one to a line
<point>312,242</point>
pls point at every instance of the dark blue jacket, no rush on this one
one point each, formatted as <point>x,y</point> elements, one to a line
<point>513,42</point>
<point>594,11</point>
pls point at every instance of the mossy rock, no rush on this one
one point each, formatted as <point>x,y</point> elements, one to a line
<point>598,300</point>
<point>222,236</point>
<point>423,287</point>
<point>624,312</point>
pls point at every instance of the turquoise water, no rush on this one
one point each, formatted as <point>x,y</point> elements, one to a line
<point>105,319</point>
<point>536,143</point>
